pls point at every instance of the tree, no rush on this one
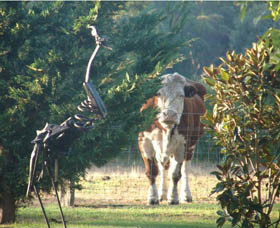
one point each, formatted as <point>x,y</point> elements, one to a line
<point>44,49</point>
<point>213,28</point>
<point>252,24</point>
<point>208,26</point>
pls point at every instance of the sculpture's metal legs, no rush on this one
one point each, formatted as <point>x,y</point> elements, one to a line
<point>41,204</point>
<point>56,194</point>
<point>57,198</point>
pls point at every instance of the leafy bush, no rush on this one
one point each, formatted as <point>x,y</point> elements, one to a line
<point>246,122</point>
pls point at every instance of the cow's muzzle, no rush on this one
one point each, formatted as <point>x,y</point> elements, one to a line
<point>169,117</point>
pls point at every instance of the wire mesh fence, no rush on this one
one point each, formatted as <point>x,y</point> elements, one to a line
<point>123,181</point>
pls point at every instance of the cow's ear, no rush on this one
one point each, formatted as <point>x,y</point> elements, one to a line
<point>190,91</point>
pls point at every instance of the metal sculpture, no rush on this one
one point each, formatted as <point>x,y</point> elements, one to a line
<point>54,140</point>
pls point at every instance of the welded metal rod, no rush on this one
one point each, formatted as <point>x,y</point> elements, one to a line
<point>41,204</point>
<point>57,198</point>
<point>90,62</point>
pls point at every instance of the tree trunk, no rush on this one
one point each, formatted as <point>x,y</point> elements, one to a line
<point>7,208</point>
<point>67,194</point>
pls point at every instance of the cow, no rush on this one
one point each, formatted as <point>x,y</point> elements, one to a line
<point>169,143</point>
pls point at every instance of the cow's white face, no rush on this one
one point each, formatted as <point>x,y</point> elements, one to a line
<point>170,100</point>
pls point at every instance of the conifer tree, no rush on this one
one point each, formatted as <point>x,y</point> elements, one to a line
<point>44,50</point>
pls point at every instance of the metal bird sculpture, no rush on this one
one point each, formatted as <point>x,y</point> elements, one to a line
<point>53,141</point>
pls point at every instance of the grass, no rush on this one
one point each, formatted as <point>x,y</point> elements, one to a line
<point>115,197</point>
<point>194,215</point>
<point>141,216</point>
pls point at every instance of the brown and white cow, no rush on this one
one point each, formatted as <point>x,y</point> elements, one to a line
<point>170,141</point>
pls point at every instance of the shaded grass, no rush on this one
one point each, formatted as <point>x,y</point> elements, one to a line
<point>124,216</point>
<point>195,215</point>
<point>164,216</point>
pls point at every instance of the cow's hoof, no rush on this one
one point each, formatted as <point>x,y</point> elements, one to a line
<point>173,202</point>
<point>153,202</point>
<point>187,200</point>
<point>162,198</point>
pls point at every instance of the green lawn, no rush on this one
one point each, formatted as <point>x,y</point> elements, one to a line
<point>164,216</point>
<point>112,203</point>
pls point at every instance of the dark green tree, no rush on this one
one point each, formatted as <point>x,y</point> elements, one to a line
<point>44,50</point>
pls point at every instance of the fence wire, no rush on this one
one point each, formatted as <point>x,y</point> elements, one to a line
<point>123,180</point>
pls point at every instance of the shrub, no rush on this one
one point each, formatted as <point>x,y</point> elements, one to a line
<point>245,120</point>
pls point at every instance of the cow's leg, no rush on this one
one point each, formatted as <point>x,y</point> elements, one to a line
<point>151,169</point>
<point>174,176</point>
<point>163,170</point>
<point>186,195</point>
<point>151,173</point>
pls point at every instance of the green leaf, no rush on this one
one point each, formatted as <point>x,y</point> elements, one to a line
<point>210,81</point>
<point>217,174</point>
<point>224,75</point>
<point>247,224</point>
<point>209,70</point>
<point>243,9</point>
<point>247,79</point>
<point>220,221</point>
<point>235,219</point>
<point>127,77</point>
<point>219,187</point>
<point>221,213</point>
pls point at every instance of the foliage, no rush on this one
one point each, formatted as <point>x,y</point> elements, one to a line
<point>274,8</point>
<point>252,25</point>
<point>44,50</point>
<point>246,122</point>
<point>212,28</point>
<point>254,22</point>
<point>209,26</point>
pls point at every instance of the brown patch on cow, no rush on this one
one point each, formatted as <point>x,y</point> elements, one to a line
<point>189,155</point>
<point>177,177</point>
<point>167,165</point>
<point>151,102</point>
<point>151,169</point>
<point>201,90</point>
<point>190,91</point>
<point>190,125</point>
<point>150,164</point>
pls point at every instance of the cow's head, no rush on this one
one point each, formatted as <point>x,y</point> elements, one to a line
<point>171,98</point>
